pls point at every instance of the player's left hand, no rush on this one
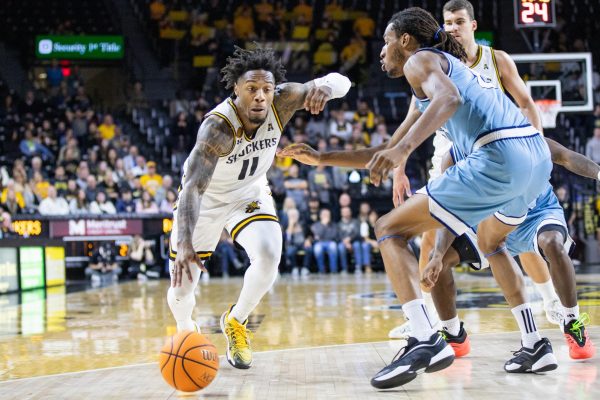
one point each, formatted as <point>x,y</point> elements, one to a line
<point>381,164</point>
<point>430,274</point>
<point>316,98</point>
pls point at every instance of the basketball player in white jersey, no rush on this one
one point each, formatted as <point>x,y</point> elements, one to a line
<point>224,185</point>
<point>499,68</point>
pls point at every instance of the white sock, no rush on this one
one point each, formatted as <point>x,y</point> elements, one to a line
<point>420,323</point>
<point>182,301</point>
<point>547,291</point>
<point>529,333</point>
<point>262,241</point>
<point>428,299</point>
<point>452,326</point>
<point>571,313</point>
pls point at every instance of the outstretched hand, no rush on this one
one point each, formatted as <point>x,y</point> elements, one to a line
<point>301,152</point>
<point>316,98</point>
<point>185,260</point>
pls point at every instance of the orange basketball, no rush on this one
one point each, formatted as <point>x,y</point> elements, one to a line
<point>189,361</point>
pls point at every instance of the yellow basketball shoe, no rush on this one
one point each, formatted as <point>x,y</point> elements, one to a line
<point>239,352</point>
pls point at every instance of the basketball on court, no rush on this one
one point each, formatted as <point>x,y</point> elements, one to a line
<point>189,361</point>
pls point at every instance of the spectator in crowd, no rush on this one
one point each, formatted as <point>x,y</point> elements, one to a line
<point>72,190</point>
<point>101,205</point>
<point>91,187</point>
<point>126,204</point>
<point>157,10</point>
<point>276,180</point>
<point>141,258</point>
<point>109,186</point>
<point>296,241</point>
<point>320,183</point>
<point>140,167</point>
<point>54,75</point>
<point>103,264</point>
<point>339,126</point>
<point>7,230</point>
<point>350,241</point>
<point>80,204</point>
<point>146,205</point>
<point>60,180</point>
<point>296,187</point>
<point>31,146</point>
<point>107,128</point>
<point>53,205</point>
<point>151,181</point>
<point>39,186</point>
<point>130,160</point>
<point>167,203</point>
<point>592,147</point>
<point>11,199</point>
<point>380,135</point>
<point>563,198</point>
<point>365,115</point>
<point>136,97</point>
<point>325,235</point>
<point>243,24</point>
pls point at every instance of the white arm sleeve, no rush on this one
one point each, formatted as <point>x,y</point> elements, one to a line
<point>338,83</point>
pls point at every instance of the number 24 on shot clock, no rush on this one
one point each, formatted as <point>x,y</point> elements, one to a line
<point>535,13</point>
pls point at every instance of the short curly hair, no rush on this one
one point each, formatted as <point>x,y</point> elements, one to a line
<point>243,61</point>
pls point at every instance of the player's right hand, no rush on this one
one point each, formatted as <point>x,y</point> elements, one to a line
<point>400,187</point>
<point>432,270</point>
<point>301,152</point>
<point>185,260</point>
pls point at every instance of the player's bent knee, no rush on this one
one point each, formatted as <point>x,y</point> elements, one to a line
<point>490,245</point>
<point>551,244</point>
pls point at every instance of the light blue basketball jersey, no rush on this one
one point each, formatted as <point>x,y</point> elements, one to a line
<point>475,116</point>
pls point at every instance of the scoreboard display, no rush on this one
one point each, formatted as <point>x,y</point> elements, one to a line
<point>535,13</point>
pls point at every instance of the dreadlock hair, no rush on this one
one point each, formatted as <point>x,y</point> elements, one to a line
<point>457,5</point>
<point>421,25</point>
<point>243,61</point>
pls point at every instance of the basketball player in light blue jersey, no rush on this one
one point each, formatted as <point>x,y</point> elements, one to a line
<point>500,69</point>
<point>507,168</point>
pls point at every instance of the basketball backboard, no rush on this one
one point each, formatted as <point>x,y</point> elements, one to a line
<point>566,77</point>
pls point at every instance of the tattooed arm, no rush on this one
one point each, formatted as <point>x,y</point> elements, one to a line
<point>312,96</point>
<point>214,139</point>
<point>573,161</point>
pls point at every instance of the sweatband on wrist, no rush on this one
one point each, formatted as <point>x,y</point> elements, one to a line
<point>338,83</point>
<point>598,177</point>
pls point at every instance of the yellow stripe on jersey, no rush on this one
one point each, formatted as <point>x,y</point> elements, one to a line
<point>237,115</point>
<point>479,56</point>
<point>277,116</point>
<point>202,254</point>
<point>218,114</point>
<point>496,68</point>
<point>245,222</point>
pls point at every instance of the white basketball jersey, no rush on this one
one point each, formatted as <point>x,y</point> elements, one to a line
<point>241,172</point>
<point>486,65</point>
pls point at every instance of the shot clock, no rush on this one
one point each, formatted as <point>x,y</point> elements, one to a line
<point>535,13</point>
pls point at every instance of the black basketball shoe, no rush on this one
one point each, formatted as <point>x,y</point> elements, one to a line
<point>414,358</point>
<point>539,359</point>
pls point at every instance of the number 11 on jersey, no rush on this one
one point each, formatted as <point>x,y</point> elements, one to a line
<point>245,168</point>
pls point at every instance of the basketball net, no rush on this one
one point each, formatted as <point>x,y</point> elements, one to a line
<point>548,111</point>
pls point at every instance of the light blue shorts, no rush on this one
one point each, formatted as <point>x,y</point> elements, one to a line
<point>547,211</point>
<point>501,178</point>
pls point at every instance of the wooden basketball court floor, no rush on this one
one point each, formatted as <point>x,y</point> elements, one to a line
<point>322,337</point>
